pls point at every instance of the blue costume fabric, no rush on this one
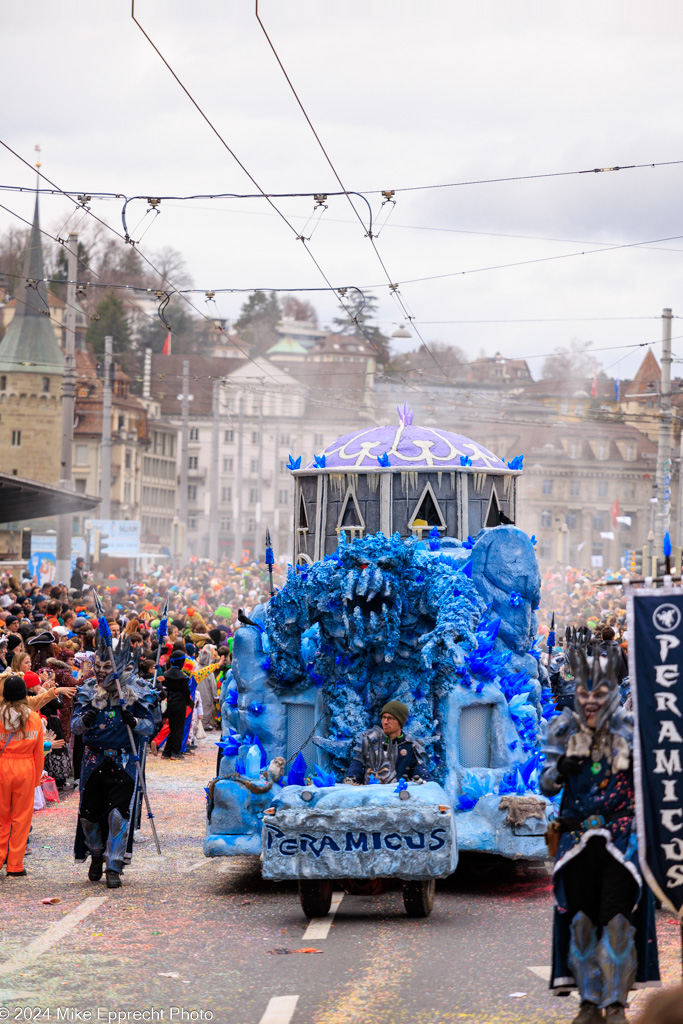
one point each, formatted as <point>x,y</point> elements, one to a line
<point>107,744</point>
<point>597,802</point>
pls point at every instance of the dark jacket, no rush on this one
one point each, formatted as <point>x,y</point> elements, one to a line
<point>177,688</point>
<point>388,760</point>
<point>77,580</point>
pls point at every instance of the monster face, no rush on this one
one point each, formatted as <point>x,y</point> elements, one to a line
<point>596,679</point>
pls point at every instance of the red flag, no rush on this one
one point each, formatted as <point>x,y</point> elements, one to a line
<point>614,512</point>
<point>166,350</point>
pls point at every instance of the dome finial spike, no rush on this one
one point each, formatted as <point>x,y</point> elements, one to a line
<point>405,415</point>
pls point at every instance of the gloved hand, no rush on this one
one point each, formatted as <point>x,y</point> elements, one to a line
<point>417,780</point>
<point>128,717</point>
<point>570,765</point>
<point>348,781</point>
<point>89,717</point>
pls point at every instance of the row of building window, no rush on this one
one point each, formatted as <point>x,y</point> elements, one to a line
<point>163,443</point>
<point>44,383</point>
<point>283,496</point>
<point>158,497</point>
<point>603,488</point>
<point>156,528</point>
<point>159,468</point>
<point>601,520</point>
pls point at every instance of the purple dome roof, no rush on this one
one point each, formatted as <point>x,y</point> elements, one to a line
<point>408,447</point>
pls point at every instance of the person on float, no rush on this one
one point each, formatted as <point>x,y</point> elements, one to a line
<point>604,939</point>
<point>386,752</point>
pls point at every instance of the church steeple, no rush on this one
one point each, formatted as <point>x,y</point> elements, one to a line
<point>30,344</point>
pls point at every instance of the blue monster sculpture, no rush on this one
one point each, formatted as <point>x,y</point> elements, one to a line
<point>448,628</point>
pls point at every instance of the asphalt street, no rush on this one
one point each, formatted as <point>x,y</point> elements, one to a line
<point>197,939</point>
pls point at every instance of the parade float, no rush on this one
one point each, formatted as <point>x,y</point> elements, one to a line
<point>409,581</point>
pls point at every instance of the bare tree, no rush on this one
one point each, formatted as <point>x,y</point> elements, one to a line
<point>299,309</point>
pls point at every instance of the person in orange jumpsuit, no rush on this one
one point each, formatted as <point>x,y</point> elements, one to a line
<point>21,768</point>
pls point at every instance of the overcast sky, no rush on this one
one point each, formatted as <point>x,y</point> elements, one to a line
<point>402,94</point>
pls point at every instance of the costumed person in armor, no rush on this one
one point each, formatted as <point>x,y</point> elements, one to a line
<point>386,752</point>
<point>604,940</point>
<point>109,769</point>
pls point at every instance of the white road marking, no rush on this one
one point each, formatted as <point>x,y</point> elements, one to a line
<point>192,867</point>
<point>280,1010</point>
<point>319,927</point>
<point>53,934</point>
<point>544,972</point>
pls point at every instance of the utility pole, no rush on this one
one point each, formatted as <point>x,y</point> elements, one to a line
<point>184,463</point>
<point>64,522</point>
<point>663,514</point>
<point>237,497</point>
<point>679,532</point>
<point>276,491</point>
<point>215,474</point>
<point>258,539</point>
<point>105,447</point>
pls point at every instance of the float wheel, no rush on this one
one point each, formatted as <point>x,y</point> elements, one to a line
<point>315,896</point>
<point>418,897</point>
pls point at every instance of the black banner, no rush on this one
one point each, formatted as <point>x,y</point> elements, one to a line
<point>655,643</point>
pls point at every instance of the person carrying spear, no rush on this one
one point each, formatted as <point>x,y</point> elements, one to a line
<point>113,712</point>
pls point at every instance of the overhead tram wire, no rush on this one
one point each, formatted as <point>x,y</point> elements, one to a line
<point>61,242</point>
<point>226,290</point>
<point>393,288</point>
<point>297,235</point>
<point>287,289</point>
<point>148,290</point>
<point>360,192</point>
<point>202,314</point>
<point>523,263</point>
<point>162,277</point>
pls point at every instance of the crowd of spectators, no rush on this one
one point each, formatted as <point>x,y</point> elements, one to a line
<point>48,639</point>
<point>584,599</point>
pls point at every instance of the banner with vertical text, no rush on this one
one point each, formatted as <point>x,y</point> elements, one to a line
<point>655,639</point>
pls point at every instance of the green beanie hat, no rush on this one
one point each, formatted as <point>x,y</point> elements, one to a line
<point>398,710</point>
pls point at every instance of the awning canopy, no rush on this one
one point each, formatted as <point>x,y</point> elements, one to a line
<point>25,499</point>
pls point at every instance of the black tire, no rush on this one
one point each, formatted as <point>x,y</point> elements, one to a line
<point>418,898</point>
<point>315,896</point>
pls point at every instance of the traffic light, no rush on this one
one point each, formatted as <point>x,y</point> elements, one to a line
<point>25,545</point>
<point>635,563</point>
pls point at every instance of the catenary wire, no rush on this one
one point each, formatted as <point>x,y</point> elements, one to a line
<point>368,230</point>
<point>380,191</point>
<point>142,255</point>
<point>352,317</point>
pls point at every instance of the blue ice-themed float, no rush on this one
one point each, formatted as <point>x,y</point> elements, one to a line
<point>411,582</point>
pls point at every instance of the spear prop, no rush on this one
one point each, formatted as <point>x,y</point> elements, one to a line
<point>270,560</point>
<point>105,634</point>
<point>551,635</point>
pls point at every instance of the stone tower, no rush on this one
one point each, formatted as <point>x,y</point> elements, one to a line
<point>31,372</point>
